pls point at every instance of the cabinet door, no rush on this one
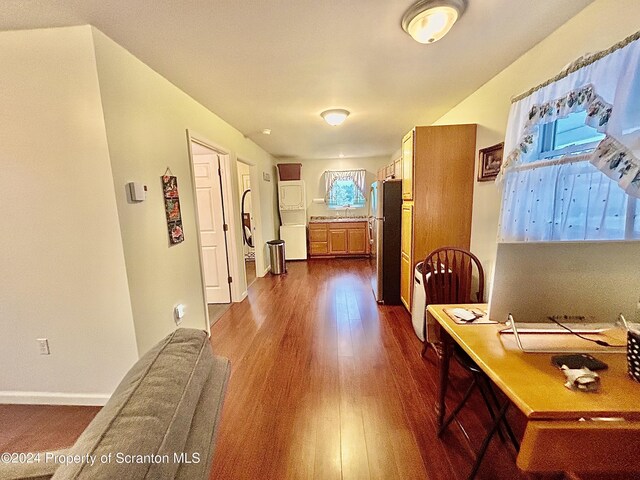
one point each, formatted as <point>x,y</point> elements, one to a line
<point>406,262</point>
<point>407,166</point>
<point>397,168</point>
<point>338,241</point>
<point>357,238</point>
<point>388,170</point>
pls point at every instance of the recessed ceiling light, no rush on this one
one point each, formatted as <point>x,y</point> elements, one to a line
<point>335,116</point>
<point>341,155</point>
<point>427,21</point>
<point>266,131</point>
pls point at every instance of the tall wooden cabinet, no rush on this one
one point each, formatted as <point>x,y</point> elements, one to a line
<point>437,192</point>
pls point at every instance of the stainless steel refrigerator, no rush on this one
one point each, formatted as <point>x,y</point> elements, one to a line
<point>385,210</point>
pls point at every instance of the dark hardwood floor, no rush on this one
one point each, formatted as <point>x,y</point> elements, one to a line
<point>325,385</point>
<point>38,428</point>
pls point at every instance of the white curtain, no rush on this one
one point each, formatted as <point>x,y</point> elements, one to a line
<point>570,198</point>
<point>357,176</point>
<point>566,199</point>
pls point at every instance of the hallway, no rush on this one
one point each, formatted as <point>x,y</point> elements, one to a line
<point>326,385</point>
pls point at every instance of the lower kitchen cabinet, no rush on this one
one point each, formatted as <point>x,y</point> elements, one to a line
<point>338,239</point>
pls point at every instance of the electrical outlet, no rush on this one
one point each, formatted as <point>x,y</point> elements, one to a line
<point>43,345</point>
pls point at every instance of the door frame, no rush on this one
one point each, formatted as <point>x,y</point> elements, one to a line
<point>238,285</point>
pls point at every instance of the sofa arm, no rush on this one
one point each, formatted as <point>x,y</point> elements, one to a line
<point>39,470</point>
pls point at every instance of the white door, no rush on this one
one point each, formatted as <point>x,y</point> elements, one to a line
<point>212,235</point>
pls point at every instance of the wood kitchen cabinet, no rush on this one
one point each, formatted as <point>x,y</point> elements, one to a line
<point>393,170</point>
<point>405,255</point>
<point>437,190</point>
<point>407,166</point>
<point>338,239</point>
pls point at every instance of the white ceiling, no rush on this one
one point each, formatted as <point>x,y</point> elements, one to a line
<point>278,64</point>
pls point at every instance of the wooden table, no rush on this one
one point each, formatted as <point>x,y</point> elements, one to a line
<point>566,430</point>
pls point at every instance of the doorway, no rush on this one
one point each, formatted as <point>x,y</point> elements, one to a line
<point>212,227</point>
<point>248,221</point>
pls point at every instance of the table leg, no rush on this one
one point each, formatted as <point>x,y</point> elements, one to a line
<point>485,444</point>
<point>445,360</point>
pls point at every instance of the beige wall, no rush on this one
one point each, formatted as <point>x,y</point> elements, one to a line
<point>146,120</point>
<point>597,27</point>
<point>313,176</point>
<point>63,268</point>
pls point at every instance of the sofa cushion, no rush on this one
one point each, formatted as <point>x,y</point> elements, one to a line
<point>201,437</point>
<point>149,416</point>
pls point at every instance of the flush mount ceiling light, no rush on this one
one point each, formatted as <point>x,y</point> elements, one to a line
<point>427,21</point>
<point>335,116</point>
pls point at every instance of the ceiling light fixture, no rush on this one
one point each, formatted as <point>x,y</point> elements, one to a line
<point>335,116</point>
<point>266,131</point>
<point>427,21</point>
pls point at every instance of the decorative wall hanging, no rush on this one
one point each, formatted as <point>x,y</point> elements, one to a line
<point>490,162</point>
<point>172,208</point>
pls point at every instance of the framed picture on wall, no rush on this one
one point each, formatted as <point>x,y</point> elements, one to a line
<point>490,162</point>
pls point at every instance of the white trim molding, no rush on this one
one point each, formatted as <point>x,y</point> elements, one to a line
<point>54,398</point>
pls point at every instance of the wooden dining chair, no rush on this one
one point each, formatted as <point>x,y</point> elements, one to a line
<point>452,275</point>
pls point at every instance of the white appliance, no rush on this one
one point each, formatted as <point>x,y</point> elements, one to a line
<point>419,308</point>
<point>292,202</point>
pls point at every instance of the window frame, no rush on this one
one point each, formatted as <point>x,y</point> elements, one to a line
<point>547,136</point>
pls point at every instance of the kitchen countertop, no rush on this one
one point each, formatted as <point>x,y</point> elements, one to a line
<point>319,219</point>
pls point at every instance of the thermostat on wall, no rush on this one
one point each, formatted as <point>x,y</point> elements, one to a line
<point>137,191</point>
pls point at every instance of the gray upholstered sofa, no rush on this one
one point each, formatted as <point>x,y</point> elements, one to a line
<point>160,423</point>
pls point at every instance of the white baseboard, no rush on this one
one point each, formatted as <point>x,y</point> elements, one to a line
<point>53,398</point>
<point>266,270</point>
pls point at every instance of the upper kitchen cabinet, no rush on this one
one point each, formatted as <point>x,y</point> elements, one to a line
<point>407,166</point>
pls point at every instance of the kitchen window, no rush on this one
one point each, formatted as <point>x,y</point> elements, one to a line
<point>345,188</point>
<point>344,193</point>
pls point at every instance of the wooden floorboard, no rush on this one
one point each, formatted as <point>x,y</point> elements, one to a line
<point>325,385</point>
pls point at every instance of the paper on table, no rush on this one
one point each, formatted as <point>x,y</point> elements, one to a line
<point>458,315</point>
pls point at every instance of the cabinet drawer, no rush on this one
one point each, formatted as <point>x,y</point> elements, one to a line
<point>317,234</point>
<point>318,248</point>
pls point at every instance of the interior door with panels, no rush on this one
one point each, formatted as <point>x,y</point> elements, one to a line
<point>212,234</point>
